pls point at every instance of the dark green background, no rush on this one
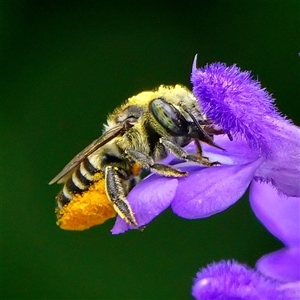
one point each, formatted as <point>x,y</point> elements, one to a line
<point>65,66</point>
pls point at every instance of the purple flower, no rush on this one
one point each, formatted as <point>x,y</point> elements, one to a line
<point>281,216</point>
<point>237,103</point>
<point>229,280</point>
<point>277,275</point>
<point>265,149</point>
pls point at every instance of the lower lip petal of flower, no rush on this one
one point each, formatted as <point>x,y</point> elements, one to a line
<point>207,191</point>
<point>148,199</point>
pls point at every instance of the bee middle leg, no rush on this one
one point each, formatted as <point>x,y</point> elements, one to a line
<point>147,162</point>
<point>115,193</point>
<point>181,153</point>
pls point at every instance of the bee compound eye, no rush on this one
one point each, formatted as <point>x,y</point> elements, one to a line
<point>168,117</point>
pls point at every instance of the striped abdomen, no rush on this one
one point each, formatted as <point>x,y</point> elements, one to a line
<point>80,180</point>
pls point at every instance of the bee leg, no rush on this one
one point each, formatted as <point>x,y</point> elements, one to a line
<point>147,162</point>
<point>115,193</point>
<point>199,149</point>
<point>181,153</point>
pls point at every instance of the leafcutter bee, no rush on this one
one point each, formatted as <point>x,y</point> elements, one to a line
<point>137,136</point>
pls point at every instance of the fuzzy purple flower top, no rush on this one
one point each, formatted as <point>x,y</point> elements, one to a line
<point>229,280</point>
<point>236,102</point>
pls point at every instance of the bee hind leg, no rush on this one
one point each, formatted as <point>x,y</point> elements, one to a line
<point>115,193</point>
<point>147,162</point>
<point>181,153</point>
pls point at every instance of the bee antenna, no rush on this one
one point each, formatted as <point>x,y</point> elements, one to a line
<point>206,138</point>
<point>230,136</point>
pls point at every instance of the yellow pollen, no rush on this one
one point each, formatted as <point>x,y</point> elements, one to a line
<point>136,169</point>
<point>90,208</point>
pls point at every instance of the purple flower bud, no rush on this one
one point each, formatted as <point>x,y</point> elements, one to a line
<point>229,280</point>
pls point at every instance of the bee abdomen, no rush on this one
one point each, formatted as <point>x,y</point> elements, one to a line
<point>90,166</point>
<point>74,185</point>
<point>62,200</point>
<point>79,182</point>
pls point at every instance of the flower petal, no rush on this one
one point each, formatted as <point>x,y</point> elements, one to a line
<point>207,191</point>
<point>279,214</point>
<point>283,265</point>
<point>148,199</point>
<point>282,166</point>
<point>236,152</point>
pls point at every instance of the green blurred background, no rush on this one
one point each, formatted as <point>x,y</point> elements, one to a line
<point>65,66</point>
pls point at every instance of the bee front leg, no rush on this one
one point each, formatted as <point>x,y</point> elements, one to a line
<point>147,162</point>
<point>115,193</point>
<point>181,153</point>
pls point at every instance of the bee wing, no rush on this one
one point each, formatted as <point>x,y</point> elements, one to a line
<point>95,145</point>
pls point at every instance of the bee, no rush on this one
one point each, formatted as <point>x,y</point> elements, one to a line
<point>137,136</point>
